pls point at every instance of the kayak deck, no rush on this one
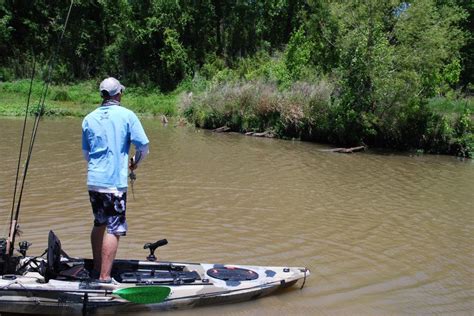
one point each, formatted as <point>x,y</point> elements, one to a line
<point>61,285</point>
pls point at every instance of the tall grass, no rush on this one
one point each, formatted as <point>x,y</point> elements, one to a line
<point>80,99</point>
<point>259,106</point>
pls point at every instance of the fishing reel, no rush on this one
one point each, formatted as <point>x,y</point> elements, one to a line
<point>24,246</point>
<point>8,263</point>
<point>3,247</point>
<point>3,255</point>
<point>152,247</point>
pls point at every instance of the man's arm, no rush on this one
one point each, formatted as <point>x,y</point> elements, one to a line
<point>85,153</point>
<point>85,141</point>
<point>139,140</point>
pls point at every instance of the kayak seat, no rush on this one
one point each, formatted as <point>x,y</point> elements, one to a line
<point>158,277</point>
<point>55,268</point>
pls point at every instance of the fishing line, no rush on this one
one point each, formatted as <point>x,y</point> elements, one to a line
<point>40,111</point>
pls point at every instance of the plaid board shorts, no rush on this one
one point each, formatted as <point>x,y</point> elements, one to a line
<point>109,209</point>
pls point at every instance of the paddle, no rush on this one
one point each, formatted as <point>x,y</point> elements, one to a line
<point>144,294</point>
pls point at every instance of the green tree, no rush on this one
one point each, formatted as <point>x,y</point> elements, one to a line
<point>391,55</point>
<point>428,42</point>
<point>174,59</point>
<point>298,55</point>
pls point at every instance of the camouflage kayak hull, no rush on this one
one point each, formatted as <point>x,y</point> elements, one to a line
<point>141,286</point>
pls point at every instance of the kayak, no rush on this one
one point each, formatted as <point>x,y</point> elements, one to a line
<point>56,284</point>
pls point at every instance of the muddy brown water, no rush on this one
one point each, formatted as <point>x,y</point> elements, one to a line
<point>381,233</point>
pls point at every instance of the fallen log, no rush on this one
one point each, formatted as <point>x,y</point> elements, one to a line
<point>346,150</point>
<point>262,134</point>
<point>222,129</point>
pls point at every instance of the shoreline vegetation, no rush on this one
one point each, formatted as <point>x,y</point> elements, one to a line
<point>79,99</point>
<point>304,111</point>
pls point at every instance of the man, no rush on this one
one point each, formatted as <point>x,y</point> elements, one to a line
<point>107,134</point>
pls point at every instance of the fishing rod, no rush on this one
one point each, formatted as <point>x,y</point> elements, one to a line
<point>40,110</point>
<point>22,138</point>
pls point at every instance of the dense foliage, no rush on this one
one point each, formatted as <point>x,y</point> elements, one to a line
<point>141,41</point>
<point>342,71</point>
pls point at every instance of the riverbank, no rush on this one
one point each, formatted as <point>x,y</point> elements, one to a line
<point>305,111</point>
<point>80,99</point>
<point>315,112</point>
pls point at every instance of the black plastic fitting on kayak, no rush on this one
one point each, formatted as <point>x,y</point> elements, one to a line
<point>24,246</point>
<point>153,246</point>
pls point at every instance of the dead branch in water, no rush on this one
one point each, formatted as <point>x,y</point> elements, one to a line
<point>222,129</point>
<point>263,134</point>
<point>346,150</point>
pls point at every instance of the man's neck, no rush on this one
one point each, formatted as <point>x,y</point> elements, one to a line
<point>114,100</point>
<point>116,97</point>
<point>110,101</point>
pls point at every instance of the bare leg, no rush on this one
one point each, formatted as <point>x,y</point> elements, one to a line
<point>97,237</point>
<point>109,250</point>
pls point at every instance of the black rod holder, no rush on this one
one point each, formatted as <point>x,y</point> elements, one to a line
<point>152,247</point>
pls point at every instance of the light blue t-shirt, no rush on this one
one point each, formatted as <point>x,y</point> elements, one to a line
<point>107,133</point>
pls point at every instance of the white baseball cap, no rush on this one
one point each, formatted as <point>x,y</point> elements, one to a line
<point>112,86</point>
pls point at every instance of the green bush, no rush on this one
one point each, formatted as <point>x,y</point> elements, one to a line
<point>61,95</point>
<point>463,140</point>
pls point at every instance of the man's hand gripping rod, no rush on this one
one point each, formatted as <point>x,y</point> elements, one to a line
<point>132,175</point>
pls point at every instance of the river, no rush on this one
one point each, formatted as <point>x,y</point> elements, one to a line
<point>382,233</point>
